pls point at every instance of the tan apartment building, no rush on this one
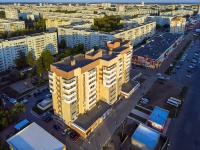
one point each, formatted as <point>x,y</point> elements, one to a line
<point>53,23</point>
<point>84,87</point>
<point>177,25</point>
<point>11,13</point>
<point>9,25</point>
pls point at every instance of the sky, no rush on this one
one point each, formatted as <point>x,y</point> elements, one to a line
<point>113,1</point>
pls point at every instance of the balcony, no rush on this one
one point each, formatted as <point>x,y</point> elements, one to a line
<point>69,84</point>
<point>69,101</point>
<point>69,96</point>
<point>69,90</point>
<point>109,71</point>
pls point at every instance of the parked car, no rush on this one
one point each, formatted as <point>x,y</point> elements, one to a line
<point>160,82</point>
<point>159,74</point>
<point>24,101</point>
<point>65,131</point>
<point>74,136</point>
<point>57,127</point>
<point>191,67</point>
<point>45,117</point>
<point>49,118</point>
<point>188,76</point>
<point>46,113</point>
<point>177,67</point>
<point>13,101</point>
<point>48,96</point>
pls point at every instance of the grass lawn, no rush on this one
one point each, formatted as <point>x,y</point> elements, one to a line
<point>137,118</point>
<point>40,111</point>
<point>142,110</point>
<point>141,80</point>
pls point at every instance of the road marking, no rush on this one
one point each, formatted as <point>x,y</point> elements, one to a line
<point>34,114</point>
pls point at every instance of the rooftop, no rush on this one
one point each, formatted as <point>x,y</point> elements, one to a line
<point>102,32</point>
<point>146,136</point>
<point>87,119</point>
<point>81,60</point>
<point>127,87</point>
<point>157,46</point>
<point>23,37</point>
<point>34,137</point>
<point>159,115</point>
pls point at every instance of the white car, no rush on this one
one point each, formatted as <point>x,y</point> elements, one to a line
<point>191,67</point>
<point>188,76</point>
<point>65,131</point>
<point>13,101</point>
<point>145,100</point>
<point>159,74</point>
<point>167,78</point>
<point>46,113</point>
<point>24,101</point>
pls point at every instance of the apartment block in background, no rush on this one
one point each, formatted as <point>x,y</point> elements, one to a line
<point>11,13</point>
<point>36,43</point>
<point>9,25</point>
<point>84,87</point>
<point>53,23</point>
<point>74,35</point>
<point>177,25</point>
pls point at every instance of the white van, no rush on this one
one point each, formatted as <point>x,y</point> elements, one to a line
<point>177,100</point>
<point>172,102</point>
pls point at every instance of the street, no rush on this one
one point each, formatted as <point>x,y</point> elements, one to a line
<point>184,131</point>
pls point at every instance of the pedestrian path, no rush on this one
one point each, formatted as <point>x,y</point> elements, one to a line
<point>139,113</point>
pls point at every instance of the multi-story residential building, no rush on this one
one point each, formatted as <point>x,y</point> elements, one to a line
<point>85,86</point>
<point>198,11</point>
<point>106,5</point>
<point>9,25</point>
<point>160,20</point>
<point>120,8</point>
<point>90,38</point>
<point>36,43</point>
<point>178,12</point>
<point>11,13</point>
<point>52,24</point>
<point>177,25</point>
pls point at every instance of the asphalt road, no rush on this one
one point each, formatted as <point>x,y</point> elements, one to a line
<point>184,131</point>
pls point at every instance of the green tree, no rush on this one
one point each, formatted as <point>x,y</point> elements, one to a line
<point>20,62</point>
<point>47,59</point>
<point>62,44</point>
<point>30,59</point>
<point>18,108</point>
<point>39,66</point>
<point>2,14</point>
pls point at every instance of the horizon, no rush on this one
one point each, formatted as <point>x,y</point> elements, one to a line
<point>108,1</point>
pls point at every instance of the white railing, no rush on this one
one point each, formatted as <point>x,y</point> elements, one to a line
<point>69,90</point>
<point>70,95</point>
<point>69,101</point>
<point>69,84</point>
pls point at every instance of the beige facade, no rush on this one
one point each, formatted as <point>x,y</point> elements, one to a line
<point>78,83</point>
<point>177,25</point>
<point>9,25</point>
<point>52,24</point>
<point>11,13</point>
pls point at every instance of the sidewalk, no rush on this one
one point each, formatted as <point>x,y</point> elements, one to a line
<point>139,113</point>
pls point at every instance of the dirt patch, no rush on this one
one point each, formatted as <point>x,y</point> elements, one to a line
<point>159,93</point>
